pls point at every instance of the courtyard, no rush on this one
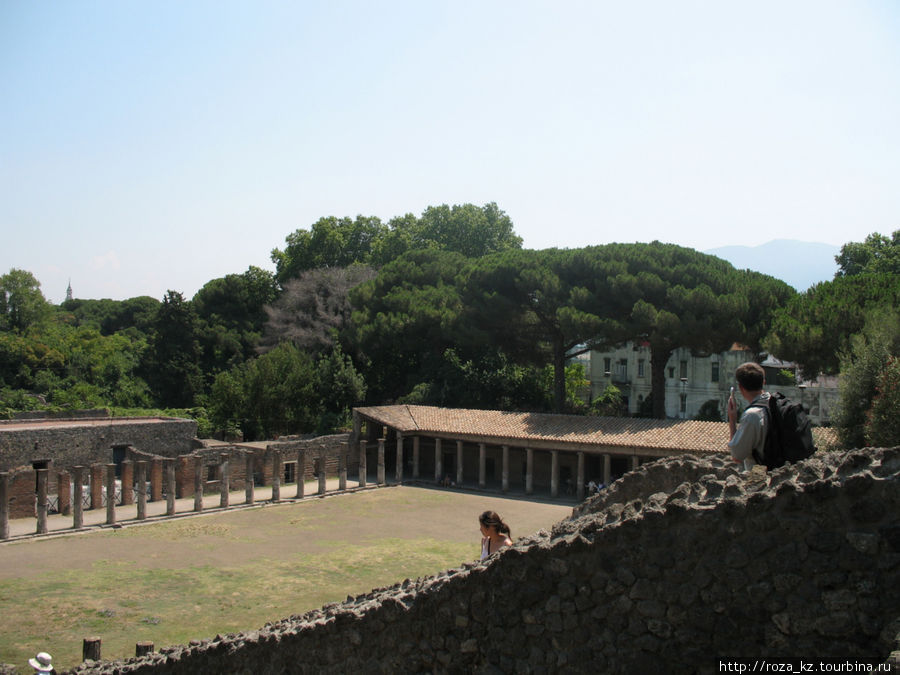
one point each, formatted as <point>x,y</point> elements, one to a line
<point>228,571</point>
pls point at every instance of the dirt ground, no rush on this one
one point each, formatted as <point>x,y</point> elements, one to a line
<point>282,530</point>
<point>223,571</point>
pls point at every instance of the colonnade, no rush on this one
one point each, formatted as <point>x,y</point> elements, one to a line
<point>529,477</point>
<point>160,475</point>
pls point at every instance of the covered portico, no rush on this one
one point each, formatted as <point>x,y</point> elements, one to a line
<point>526,452</point>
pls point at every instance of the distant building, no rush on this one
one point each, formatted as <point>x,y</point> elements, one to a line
<point>692,380</point>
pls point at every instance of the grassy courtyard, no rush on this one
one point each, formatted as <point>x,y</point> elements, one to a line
<point>233,571</point>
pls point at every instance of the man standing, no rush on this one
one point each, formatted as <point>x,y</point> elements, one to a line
<point>750,437</point>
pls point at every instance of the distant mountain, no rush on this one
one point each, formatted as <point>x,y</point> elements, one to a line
<point>799,263</point>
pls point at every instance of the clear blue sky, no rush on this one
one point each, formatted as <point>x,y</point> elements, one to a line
<point>154,145</point>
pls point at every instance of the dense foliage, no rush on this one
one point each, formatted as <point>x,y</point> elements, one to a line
<point>442,309</point>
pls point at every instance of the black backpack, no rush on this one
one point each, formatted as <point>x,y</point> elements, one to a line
<point>788,433</point>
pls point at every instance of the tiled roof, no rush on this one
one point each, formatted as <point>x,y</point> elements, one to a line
<point>630,432</point>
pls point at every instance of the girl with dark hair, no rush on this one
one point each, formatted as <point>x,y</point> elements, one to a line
<point>494,532</point>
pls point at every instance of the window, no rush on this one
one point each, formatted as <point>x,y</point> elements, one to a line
<point>607,365</point>
<point>212,473</point>
<point>684,403</point>
<point>640,367</point>
<point>683,369</point>
<point>622,370</point>
<point>715,371</point>
<point>290,472</point>
<point>671,373</point>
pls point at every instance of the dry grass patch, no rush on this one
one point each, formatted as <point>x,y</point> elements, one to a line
<point>233,571</point>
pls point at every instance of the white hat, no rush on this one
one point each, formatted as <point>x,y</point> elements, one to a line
<point>41,662</point>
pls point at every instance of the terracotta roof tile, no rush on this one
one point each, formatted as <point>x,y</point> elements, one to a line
<point>631,432</point>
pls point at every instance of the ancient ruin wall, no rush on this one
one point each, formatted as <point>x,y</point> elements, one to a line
<point>68,446</point>
<point>678,564</point>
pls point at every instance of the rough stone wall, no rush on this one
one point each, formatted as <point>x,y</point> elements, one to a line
<point>70,446</point>
<point>679,564</point>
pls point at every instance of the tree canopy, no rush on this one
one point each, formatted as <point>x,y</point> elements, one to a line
<point>817,326</point>
<point>467,229</point>
<point>878,254</point>
<point>22,304</point>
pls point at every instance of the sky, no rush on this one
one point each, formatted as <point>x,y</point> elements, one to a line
<point>156,145</point>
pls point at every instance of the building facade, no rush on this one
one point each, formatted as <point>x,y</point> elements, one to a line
<point>692,380</point>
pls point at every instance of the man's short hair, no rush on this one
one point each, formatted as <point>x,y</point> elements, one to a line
<point>750,376</point>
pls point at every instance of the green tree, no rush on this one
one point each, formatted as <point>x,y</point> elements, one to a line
<point>881,428</point>
<point>470,230</point>
<point>227,402</point>
<point>280,394</point>
<point>231,312</point>
<point>172,369</point>
<point>676,297</point>
<point>609,403</point>
<point>330,242</point>
<point>339,387</point>
<point>22,304</point>
<point>878,254</point>
<point>540,307</point>
<point>861,369</point>
<point>815,327</point>
<point>552,305</point>
<point>403,321</point>
<point>134,315</point>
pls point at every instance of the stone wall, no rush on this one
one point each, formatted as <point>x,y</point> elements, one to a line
<point>91,442</point>
<point>680,563</point>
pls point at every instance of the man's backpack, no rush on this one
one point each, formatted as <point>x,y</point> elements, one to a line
<point>788,433</point>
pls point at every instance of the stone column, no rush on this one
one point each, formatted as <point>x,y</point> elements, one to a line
<point>143,648</point>
<point>505,469</point>
<point>142,490</point>
<point>554,473</point>
<point>248,478</point>
<point>127,482</point>
<point>362,477</point>
<point>63,481</point>
<point>415,456</point>
<point>111,494</point>
<point>529,471</point>
<point>481,465</point>
<point>4,504</point>
<point>459,463</point>
<point>156,479</point>
<point>97,486</point>
<point>170,487</point>
<point>342,467</point>
<point>224,480</point>
<point>635,462</point>
<point>42,501</point>
<point>301,472</point>
<point>323,478</point>
<point>607,461</point>
<point>438,461</point>
<point>77,497</point>
<point>198,483</point>
<point>579,481</point>
<point>277,468</point>
<point>380,478</point>
<point>398,474</point>
<point>90,649</point>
